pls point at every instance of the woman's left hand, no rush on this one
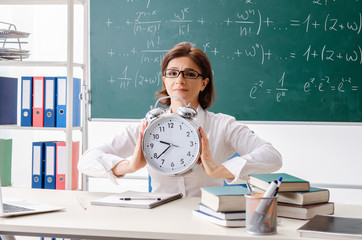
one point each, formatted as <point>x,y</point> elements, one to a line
<point>207,161</point>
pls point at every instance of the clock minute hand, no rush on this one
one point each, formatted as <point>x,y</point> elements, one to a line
<point>163,151</point>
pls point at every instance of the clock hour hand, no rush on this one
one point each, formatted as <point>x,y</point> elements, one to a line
<point>165,142</point>
<point>163,151</point>
<point>169,144</point>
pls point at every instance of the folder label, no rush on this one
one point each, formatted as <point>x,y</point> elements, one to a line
<point>49,97</point>
<point>26,96</point>
<point>62,88</point>
<point>61,164</point>
<point>37,161</point>
<point>50,163</point>
<point>38,94</point>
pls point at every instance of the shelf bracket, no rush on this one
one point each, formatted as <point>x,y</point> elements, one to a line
<point>85,95</point>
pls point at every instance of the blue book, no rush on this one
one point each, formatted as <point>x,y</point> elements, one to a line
<point>8,100</point>
<point>49,101</point>
<point>61,102</point>
<point>49,165</point>
<point>224,198</point>
<point>76,102</point>
<point>218,221</point>
<point>290,183</point>
<point>38,165</point>
<point>26,101</point>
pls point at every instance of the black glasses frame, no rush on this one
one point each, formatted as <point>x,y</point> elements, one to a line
<point>183,74</point>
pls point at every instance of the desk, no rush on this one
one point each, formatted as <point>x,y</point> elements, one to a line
<point>170,221</point>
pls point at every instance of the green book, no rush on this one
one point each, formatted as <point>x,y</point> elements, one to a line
<point>289,183</point>
<point>313,196</point>
<point>224,198</point>
<point>5,161</point>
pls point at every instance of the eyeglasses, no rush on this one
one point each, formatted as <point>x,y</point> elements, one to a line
<point>187,74</point>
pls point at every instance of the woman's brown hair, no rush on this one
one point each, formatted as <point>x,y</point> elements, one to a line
<point>186,49</point>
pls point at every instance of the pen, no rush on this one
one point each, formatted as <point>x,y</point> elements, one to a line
<point>277,189</point>
<point>81,203</point>
<point>139,198</point>
<point>249,187</point>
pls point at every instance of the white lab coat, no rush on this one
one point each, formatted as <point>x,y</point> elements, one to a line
<point>226,136</point>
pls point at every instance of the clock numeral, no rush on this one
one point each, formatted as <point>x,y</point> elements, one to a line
<point>182,161</point>
<point>180,127</point>
<point>170,125</point>
<point>156,136</point>
<point>189,154</point>
<point>191,143</point>
<point>155,155</point>
<point>188,134</point>
<point>152,145</point>
<point>162,161</point>
<point>162,129</point>
<point>172,164</point>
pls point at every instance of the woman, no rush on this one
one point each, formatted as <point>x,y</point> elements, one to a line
<point>187,73</point>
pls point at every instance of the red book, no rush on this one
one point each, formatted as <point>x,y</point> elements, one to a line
<point>62,165</point>
<point>38,101</point>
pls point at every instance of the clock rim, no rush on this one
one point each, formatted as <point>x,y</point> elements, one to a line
<point>193,124</point>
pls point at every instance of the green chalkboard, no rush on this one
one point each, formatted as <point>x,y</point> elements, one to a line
<point>273,60</point>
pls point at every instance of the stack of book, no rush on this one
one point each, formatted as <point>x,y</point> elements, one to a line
<point>223,205</point>
<point>296,199</point>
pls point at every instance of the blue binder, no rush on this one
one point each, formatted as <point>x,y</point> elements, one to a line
<point>26,101</point>
<point>38,165</point>
<point>49,165</point>
<point>8,100</point>
<point>49,101</point>
<point>61,103</point>
<point>76,102</point>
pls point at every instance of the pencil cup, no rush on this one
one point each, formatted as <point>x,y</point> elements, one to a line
<point>261,214</point>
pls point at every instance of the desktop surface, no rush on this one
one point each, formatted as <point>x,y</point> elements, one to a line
<point>173,220</point>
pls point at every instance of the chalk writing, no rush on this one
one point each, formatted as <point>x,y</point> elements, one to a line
<point>286,53</point>
<point>324,84</point>
<point>279,92</point>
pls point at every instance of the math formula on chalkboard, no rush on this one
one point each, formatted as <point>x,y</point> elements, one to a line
<point>274,60</point>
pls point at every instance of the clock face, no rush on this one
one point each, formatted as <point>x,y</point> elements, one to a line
<point>171,144</point>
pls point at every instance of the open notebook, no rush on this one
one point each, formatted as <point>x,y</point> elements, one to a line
<point>17,207</point>
<point>137,199</point>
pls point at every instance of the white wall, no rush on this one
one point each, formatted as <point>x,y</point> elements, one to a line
<point>318,153</point>
<point>322,154</point>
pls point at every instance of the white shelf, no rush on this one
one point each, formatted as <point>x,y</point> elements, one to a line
<point>39,2</point>
<point>69,64</point>
<point>38,63</point>
<point>17,127</point>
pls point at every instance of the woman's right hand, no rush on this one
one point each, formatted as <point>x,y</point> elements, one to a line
<point>138,160</point>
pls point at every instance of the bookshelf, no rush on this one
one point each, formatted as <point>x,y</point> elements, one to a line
<point>70,65</point>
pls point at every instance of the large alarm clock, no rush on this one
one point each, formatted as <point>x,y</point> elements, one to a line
<point>171,141</point>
